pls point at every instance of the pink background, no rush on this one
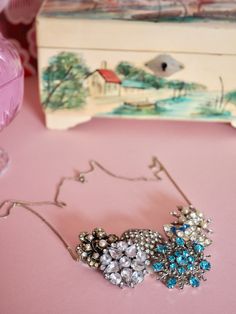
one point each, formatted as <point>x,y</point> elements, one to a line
<point>38,275</point>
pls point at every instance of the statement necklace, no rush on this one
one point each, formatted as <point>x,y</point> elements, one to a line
<point>176,258</point>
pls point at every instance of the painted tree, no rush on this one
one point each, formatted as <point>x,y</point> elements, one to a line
<point>63,82</point>
<point>130,72</point>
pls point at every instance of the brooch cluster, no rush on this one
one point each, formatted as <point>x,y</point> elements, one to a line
<point>177,260</point>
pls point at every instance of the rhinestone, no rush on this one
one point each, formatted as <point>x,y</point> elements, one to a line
<point>113,267</point>
<point>137,277</point>
<point>115,253</point>
<point>105,259</point>
<point>194,282</point>
<point>126,274</point>
<point>158,266</point>
<point>198,248</point>
<point>115,278</point>
<point>125,262</point>
<point>131,251</point>
<point>171,282</point>
<point>205,265</point>
<point>141,256</point>
<point>136,265</point>
<point>122,246</point>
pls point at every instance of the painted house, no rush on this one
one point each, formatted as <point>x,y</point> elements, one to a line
<point>103,82</point>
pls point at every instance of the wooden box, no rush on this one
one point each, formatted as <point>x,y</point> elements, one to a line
<point>137,59</point>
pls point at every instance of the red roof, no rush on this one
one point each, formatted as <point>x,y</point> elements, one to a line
<point>109,76</point>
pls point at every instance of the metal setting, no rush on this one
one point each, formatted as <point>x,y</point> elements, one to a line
<point>145,239</point>
<point>92,245</point>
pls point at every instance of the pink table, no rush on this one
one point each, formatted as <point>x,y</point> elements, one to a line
<point>38,275</point>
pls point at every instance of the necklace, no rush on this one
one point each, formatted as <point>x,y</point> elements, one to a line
<point>177,258</point>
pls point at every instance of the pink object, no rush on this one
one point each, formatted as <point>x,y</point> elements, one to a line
<point>11,82</point>
<point>38,276</point>
<point>11,88</point>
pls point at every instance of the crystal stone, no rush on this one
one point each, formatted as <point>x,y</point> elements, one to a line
<point>205,265</point>
<point>171,282</point>
<point>113,267</point>
<point>122,246</point>
<point>126,274</point>
<point>194,282</point>
<point>136,265</point>
<point>115,253</point>
<point>137,277</point>
<point>105,259</point>
<point>124,264</point>
<point>141,256</point>
<point>125,261</point>
<point>131,251</point>
<point>115,278</point>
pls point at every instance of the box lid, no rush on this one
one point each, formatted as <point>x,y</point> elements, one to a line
<point>200,27</point>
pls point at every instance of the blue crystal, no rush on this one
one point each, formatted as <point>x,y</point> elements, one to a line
<point>205,265</point>
<point>190,267</point>
<point>185,253</point>
<point>173,266</point>
<point>179,241</point>
<point>181,228</point>
<point>181,270</point>
<point>171,258</point>
<point>191,259</point>
<point>178,253</point>
<point>158,266</point>
<point>171,282</point>
<point>181,260</point>
<point>186,226</point>
<point>173,229</point>
<point>161,248</point>
<point>194,282</point>
<point>198,248</point>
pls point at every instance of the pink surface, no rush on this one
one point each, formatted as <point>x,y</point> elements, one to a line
<point>38,275</point>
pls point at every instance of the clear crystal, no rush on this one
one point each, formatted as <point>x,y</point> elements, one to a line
<point>113,267</point>
<point>125,261</point>
<point>115,253</point>
<point>137,277</point>
<point>105,259</point>
<point>115,278</point>
<point>126,274</point>
<point>136,265</point>
<point>131,251</point>
<point>141,256</point>
<point>122,246</point>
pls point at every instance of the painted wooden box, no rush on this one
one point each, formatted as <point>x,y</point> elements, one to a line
<point>138,59</point>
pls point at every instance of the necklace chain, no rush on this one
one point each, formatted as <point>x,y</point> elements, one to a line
<point>156,167</point>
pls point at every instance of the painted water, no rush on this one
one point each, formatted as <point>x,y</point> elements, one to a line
<point>199,105</point>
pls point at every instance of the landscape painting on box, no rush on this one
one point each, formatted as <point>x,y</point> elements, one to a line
<point>132,90</point>
<point>152,10</point>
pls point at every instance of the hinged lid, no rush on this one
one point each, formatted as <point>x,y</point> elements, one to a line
<point>139,26</point>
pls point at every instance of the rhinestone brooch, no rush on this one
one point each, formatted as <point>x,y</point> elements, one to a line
<point>177,260</point>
